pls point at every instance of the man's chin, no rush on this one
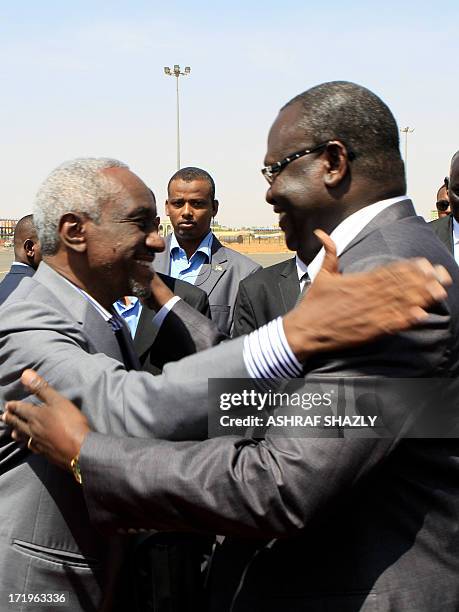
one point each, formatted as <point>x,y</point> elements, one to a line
<point>186,234</point>
<point>291,241</point>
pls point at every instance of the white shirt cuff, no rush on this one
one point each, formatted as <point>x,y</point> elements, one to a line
<point>162,313</point>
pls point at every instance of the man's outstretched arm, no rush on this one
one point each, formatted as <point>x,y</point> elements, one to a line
<point>337,312</point>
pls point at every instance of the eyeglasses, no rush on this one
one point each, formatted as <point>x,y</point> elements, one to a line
<point>270,172</point>
<point>442,205</point>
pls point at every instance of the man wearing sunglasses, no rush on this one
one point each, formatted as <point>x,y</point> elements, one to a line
<point>446,226</point>
<point>442,203</point>
<point>355,523</point>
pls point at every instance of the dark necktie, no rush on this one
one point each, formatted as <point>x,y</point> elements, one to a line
<point>307,284</point>
<point>124,341</point>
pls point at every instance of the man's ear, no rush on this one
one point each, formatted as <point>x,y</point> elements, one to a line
<point>214,208</point>
<point>166,207</point>
<point>72,231</point>
<point>336,160</point>
<point>29,247</point>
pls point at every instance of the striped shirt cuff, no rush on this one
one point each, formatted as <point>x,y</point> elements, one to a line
<point>267,353</point>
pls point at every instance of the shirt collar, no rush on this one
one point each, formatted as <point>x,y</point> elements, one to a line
<point>19,263</point>
<point>205,246</point>
<point>100,309</point>
<point>121,307</point>
<point>347,230</point>
<point>301,268</point>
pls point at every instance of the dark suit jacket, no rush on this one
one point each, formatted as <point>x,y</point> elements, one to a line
<point>363,524</point>
<point>443,228</point>
<point>219,278</point>
<point>265,295</point>
<point>12,280</point>
<point>173,340</point>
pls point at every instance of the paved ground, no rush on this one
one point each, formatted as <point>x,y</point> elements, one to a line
<point>265,259</point>
<point>6,257</point>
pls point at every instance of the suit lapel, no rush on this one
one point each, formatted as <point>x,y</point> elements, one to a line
<point>445,233</point>
<point>101,334</point>
<point>145,331</point>
<point>125,343</point>
<point>289,285</point>
<point>98,333</point>
<point>211,273</point>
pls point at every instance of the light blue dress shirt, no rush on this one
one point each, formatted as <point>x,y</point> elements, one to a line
<point>130,312</point>
<point>188,269</point>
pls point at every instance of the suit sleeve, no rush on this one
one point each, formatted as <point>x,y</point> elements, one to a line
<point>242,487</point>
<point>185,331</point>
<point>244,316</point>
<point>171,406</point>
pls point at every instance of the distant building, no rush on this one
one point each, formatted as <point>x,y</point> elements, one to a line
<point>165,228</point>
<point>7,228</point>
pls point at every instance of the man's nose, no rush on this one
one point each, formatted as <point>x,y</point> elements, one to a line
<point>269,196</point>
<point>187,211</point>
<point>155,242</point>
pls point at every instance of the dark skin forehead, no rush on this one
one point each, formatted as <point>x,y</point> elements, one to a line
<point>131,195</point>
<point>285,135</point>
<point>197,189</point>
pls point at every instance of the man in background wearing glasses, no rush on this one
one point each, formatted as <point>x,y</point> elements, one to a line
<point>442,203</point>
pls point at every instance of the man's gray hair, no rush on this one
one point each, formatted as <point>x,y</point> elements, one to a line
<point>77,186</point>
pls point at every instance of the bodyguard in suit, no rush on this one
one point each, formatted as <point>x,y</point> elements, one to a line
<point>447,228</point>
<point>351,524</point>
<point>193,253</point>
<point>27,256</point>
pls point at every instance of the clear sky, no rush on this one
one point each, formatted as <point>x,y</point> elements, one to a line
<point>86,79</point>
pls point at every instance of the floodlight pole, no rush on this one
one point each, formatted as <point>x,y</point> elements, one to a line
<point>406,131</point>
<point>177,73</point>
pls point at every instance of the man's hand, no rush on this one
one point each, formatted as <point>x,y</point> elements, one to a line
<point>55,428</point>
<point>341,311</point>
<point>160,294</point>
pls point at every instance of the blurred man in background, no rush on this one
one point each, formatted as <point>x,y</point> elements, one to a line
<point>27,256</point>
